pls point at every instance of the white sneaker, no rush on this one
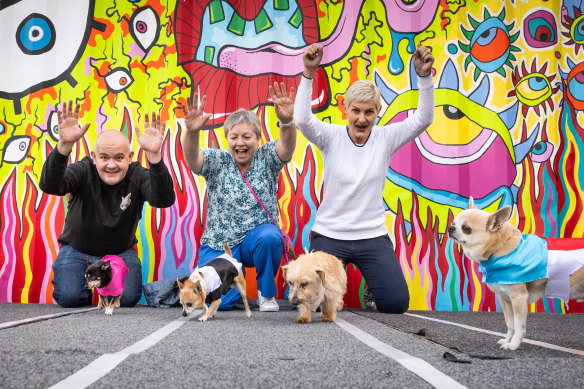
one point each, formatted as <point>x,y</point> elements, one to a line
<point>267,304</point>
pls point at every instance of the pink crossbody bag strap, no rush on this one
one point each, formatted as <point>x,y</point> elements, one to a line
<point>287,241</point>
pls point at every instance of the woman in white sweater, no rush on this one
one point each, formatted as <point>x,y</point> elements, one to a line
<point>350,222</point>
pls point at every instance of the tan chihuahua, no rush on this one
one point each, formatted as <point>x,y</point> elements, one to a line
<point>519,268</point>
<point>316,280</point>
<point>206,285</point>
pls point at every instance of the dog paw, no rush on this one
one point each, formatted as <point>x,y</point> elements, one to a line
<point>302,320</point>
<point>248,313</point>
<point>203,318</point>
<point>109,311</point>
<point>502,341</point>
<point>510,345</point>
<point>328,318</point>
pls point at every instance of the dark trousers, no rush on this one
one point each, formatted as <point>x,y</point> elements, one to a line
<point>377,262</point>
<point>70,286</point>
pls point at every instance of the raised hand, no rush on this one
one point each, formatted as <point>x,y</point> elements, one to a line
<point>195,117</point>
<point>423,61</point>
<point>283,104</point>
<point>311,58</point>
<point>151,139</point>
<point>69,129</point>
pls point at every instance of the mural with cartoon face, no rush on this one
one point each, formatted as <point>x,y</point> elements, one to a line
<point>508,125</point>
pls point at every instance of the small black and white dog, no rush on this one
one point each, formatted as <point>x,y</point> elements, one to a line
<point>107,277</point>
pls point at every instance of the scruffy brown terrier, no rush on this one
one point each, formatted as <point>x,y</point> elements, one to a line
<point>316,280</point>
<point>207,283</point>
<point>519,268</point>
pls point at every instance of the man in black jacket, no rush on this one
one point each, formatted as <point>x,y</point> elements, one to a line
<point>107,193</point>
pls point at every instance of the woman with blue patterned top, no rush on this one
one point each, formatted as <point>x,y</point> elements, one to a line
<point>234,216</point>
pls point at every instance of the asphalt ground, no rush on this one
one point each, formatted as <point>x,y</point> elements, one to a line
<point>144,347</point>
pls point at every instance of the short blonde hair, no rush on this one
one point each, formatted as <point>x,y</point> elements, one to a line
<point>243,116</point>
<point>363,91</point>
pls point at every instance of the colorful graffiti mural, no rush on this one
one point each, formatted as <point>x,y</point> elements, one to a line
<point>508,125</point>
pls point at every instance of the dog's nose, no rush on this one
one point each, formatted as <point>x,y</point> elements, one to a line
<point>184,313</point>
<point>295,300</point>
<point>451,229</point>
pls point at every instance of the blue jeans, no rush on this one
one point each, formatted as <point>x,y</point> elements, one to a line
<point>262,248</point>
<point>70,286</point>
<point>377,262</point>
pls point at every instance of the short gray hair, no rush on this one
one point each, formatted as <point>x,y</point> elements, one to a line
<point>243,116</point>
<point>363,91</point>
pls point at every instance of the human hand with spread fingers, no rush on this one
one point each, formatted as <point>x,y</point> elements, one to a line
<point>69,129</point>
<point>151,139</point>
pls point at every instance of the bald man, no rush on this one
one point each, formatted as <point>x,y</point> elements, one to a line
<point>107,193</point>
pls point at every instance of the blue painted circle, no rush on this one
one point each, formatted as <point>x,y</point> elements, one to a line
<point>35,35</point>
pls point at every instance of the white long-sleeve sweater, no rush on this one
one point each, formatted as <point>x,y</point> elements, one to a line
<point>354,175</point>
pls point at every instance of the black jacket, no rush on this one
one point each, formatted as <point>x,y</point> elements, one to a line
<point>95,223</point>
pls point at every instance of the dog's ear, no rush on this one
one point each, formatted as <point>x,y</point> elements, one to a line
<point>227,249</point>
<point>284,274</point>
<point>471,204</point>
<point>197,287</point>
<point>320,273</point>
<point>496,219</point>
<point>105,266</point>
<point>180,284</point>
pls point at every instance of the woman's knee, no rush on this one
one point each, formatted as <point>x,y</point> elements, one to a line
<point>270,235</point>
<point>395,304</point>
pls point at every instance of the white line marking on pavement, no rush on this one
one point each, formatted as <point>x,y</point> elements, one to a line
<point>16,323</point>
<point>535,342</point>
<point>107,362</point>
<point>416,365</point>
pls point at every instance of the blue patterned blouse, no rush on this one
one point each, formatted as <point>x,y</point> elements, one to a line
<point>232,210</point>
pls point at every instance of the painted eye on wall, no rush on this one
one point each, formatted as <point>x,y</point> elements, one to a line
<point>118,80</point>
<point>576,86</point>
<point>145,27</point>
<point>43,32</point>
<point>575,27</point>
<point>490,44</point>
<point>540,29</point>
<point>452,112</point>
<point>533,89</point>
<point>16,149</point>
<point>53,126</point>
<point>35,34</point>
<point>541,151</point>
<point>577,30</point>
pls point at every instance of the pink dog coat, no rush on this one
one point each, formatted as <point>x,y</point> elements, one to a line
<point>119,271</point>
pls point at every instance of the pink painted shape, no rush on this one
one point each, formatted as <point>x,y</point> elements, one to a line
<point>410,18</point>
<point>287,61</point>
<point>8,234</point>
<point>453,151</point>
<point>496,167</point>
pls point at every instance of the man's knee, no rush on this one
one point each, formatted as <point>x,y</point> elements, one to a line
<point>68,298</point>
<point>130,297</point>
